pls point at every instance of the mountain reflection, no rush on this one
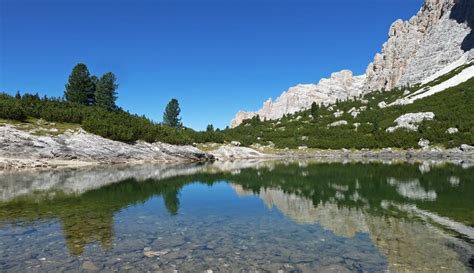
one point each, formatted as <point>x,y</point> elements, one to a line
<point>404,208</point>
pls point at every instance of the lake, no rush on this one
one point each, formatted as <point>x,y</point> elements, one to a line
<point>244,216</point>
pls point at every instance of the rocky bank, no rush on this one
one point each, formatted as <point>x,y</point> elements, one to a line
<point>21,149</point>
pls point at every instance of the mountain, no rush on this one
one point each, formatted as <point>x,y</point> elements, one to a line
<point>340,86</point>
<point>438,38</point>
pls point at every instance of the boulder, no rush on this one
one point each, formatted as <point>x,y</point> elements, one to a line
<point>424,143</point>
<point>338,123</point>
<point>452,131</point>
<point>235,143</point>
<point>466,148</point>
<point>411,121</point>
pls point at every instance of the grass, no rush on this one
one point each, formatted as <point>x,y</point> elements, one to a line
<point>40,127</point>
<point>453,107</point>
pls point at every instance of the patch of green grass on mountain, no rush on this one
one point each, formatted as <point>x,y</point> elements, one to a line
<point>453,107</point>
<point>40,127</point>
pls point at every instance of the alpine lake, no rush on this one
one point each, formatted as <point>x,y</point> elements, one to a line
<point>241,216</point>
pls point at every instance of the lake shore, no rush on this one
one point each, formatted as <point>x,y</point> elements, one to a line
<point>21,150</point>
<point>388,155</point>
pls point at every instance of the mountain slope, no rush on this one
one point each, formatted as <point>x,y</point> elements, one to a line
<point>438,38</point>
<point>375,120</point>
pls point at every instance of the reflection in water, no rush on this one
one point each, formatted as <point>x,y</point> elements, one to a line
<point>419,217</point>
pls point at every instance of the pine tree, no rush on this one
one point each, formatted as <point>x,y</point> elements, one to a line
<point>171,115</point>
<point>314,110</point>
<point>95,81</point>
<point>210,128</point>
<point>80,87</point>
<point>18,95</point>
<point>105,91</point>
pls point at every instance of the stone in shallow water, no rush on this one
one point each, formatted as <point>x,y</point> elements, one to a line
<point>89,266</point>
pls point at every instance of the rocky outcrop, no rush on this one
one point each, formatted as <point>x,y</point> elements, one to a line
<point>80,146</point>
<point>410,121</point>
<point>420,47</point>
<point>235,152</point>
<point>341,86</point>
<point>240,117</point>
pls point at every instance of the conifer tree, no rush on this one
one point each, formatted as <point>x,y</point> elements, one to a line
<point>106,91</point>
<point>80,88</point>
<point>171,115</point>
<point>314,110</point>
<point>210,128</point>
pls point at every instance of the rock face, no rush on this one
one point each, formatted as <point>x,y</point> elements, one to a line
<point>416,49</point>
<point>341,86</point>
<point>82,146</point>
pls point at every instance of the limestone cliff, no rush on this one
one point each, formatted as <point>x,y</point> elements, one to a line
<point>341,86</point>
<point>438,35</point>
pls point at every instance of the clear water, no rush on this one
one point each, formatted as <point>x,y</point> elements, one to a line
<point>240,217</point>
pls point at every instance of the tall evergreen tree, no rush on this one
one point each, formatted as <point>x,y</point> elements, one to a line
<point>80,87</point>
<point>210,128</point>
<point>171,115</point>
<point>106,91</point>
<point>315,110</point>
<point>95,81</point>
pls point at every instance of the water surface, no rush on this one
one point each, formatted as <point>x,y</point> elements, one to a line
<point>240,217</point>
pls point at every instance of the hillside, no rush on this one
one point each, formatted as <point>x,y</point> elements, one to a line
<point>396,118</point>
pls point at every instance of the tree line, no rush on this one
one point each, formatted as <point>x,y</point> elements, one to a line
<point>89,90</point>
<point>91,102</point>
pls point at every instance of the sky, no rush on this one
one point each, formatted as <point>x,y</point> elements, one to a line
<point>215,56</point>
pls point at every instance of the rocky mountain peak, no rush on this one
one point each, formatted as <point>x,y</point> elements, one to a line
<point>440,34</point>
<point>421,46</point>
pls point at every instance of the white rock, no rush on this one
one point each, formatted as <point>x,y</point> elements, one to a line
<point>424,143</point>
<point>338,123</point>
<point>452,131</point>
<point>410,121</point>
<point>83,146</point>
<point>382,104</point>
<point>235,143</point>
<point>338,114</point>
<point>466,148</point>
<point>234,152</point>
<point>302,147</point>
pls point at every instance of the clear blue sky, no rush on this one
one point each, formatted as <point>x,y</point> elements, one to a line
<point>215,56</point>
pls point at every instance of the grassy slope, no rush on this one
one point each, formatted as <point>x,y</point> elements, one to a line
<point>40,127</point>
<point>453,108</point>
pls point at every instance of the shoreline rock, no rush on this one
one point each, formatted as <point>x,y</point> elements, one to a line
<point>22,150</point>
